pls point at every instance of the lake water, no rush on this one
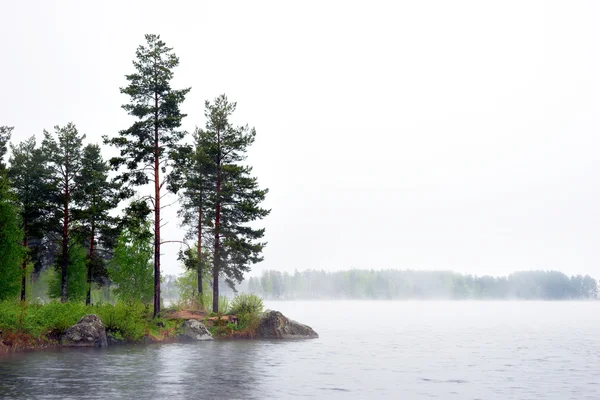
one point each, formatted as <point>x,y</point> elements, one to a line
<point>366,350</point>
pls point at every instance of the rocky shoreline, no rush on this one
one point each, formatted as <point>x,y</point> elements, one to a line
<point>90,331</point>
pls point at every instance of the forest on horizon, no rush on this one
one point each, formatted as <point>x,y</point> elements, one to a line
<point>412,284</point>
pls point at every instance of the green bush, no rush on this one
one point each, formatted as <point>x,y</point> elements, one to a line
<point>246,303</point>
<point>76,276</point>
<point>248,321</point>
<point>39,319</point>
<point>129,320</point>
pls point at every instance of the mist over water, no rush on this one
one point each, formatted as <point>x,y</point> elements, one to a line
<point>376,349</point>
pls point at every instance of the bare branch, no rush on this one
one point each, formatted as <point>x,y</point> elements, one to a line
<point>176,241</point>
<point>169,205</point>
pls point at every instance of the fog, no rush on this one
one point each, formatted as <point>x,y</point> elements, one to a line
<point>425,135</point>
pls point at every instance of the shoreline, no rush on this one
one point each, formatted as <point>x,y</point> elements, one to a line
<point>174,326</point>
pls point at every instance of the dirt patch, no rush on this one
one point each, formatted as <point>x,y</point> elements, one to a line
<point>186,314</point>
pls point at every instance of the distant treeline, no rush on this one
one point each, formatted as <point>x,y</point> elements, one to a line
<point>408,284</point>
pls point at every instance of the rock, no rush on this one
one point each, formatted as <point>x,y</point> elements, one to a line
<point>274,325</point>
<point>192,329</point>
<point>89,331</point>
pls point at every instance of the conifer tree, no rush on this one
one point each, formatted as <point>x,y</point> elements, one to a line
<point>198,177</point>
<point>64,155</point>
<point>11,252</point>
<point>5,132</point>
<point>148,146</point>
<point>96,196</point>
<point>236,198</point>
<point>33,187</point>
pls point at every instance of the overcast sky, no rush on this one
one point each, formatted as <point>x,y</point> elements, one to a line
<point>457,135</point>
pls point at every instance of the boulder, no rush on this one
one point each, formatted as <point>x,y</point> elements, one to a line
<point>192,329</point>
<point>89,331</point>
<point>274,325</point>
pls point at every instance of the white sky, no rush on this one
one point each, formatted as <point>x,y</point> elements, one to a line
<point>455,135</point>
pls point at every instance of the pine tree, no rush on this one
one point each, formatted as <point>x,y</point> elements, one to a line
<point>236,198</point>
<point>96,196</point>
<point>64,159</point>
<point>197,172</point>
<point>32,184</point>
<point>11,252</point>
<point>148,146</point>
<point>5,132</point>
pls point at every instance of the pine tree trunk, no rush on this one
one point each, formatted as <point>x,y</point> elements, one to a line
<point>24,266</point>
<point>88,297</point>
<point>65,245</point>
<point>200,250</point>
<point>156,208</point>
<point>217,225</point>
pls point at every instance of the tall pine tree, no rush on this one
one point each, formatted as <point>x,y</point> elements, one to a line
<point>96,196</point>
<point>197,171</point>
<point>236,198</point>
<point>147,147</point>
<point>64,155</point>
<point>33,187</point>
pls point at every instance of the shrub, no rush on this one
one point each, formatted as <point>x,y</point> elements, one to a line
<point>246,303</point>
<point>129,320</point>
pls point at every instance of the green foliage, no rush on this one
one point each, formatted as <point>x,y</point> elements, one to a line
<point>76,276</point>
<point>11,235</point>
<point>235,203</point>
<point>39,319</point>
<point>187,287</point>
<point>147,148</point>
<point>96,197</point>
<point>34,189</point>
<point>5,132</point>
<point>63,151</point>
<point>188,294</point>
<point>128,321</point>
<point>200,267</point>
<point>223,304</point>
<point>248,322</point>
<point>245,303</point>
<point>131,269</point>
<point>33,185</point>
<point>154,65</point>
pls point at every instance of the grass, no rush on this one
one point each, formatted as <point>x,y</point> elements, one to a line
<point>248,309</point>
<point>28,325</point>
<point>36,324</point>
<point>246,303</point>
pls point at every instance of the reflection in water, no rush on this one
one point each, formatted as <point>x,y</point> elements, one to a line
<point>179,371</point>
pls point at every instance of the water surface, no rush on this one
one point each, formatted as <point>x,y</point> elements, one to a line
<point>370,349</point>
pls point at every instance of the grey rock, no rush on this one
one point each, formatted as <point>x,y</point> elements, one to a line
<point>274,325</point>
<point>89,331</point>
<point>192,329</point>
